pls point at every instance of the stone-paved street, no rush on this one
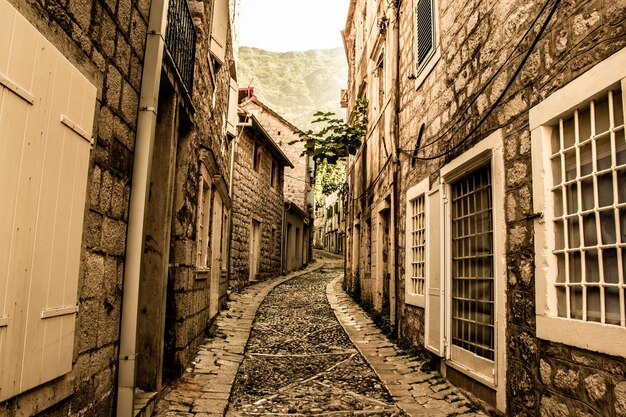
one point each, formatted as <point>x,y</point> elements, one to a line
<point>300,361</point>
<point>298,345</point>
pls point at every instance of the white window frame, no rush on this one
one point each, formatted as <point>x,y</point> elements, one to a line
<point>202,220</point>
<point>425,68</point>
<point>421,189</point>
<point>489,149</point>
<point>604,338</point>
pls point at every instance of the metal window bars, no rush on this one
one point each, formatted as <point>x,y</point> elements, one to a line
<point>589,172</point>
<point>472,264</point>
<point>180,40</point>
<point>418,246</point>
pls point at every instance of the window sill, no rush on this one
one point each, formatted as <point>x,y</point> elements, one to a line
<point>427,67</point>
<point>202,273</point>
<point>415,300</point>
<point>597,337</point>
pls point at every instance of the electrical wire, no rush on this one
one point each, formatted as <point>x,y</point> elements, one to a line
<point>502,94</point>
<point>491,79</point>
<point>373,184</point>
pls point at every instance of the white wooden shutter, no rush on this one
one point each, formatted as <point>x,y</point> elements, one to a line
<point>433,334</point>
<point>46,120</point>
<point>219,29</point>
<point>233,98</point>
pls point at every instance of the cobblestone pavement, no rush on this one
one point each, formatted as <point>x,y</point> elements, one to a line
<point>299,361</point>
<point>417,392</point>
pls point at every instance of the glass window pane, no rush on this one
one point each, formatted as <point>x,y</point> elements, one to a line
<point>618,111</point>
<point>605,190</point>
<point>602,116</point>
<point>589,229</point>
<point>586,189</point>
<point>584,125</point>
<point>576,302</point>
<point>575,267</point>
<point>607,227</point>
<point>609,265</point>
<point>561,299</point>
<point>611,305</point>
<point>592,269</point>
<point>593,304</point>
<point>568,133</point>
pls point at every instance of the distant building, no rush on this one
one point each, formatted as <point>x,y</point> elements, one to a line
<point>330,223</point>
<point>258,212</point>
<point>297,182</point>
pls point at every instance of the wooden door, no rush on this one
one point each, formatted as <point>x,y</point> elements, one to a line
<point>255,249</point>
<point>216,254</point>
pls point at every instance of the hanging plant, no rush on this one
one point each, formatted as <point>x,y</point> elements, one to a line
<point>336,139</point>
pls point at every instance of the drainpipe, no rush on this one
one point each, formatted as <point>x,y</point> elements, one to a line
<point>396,165</point>
<point>144,146</point>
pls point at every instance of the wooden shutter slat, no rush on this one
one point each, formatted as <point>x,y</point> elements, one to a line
<point>425,29</point>
<point>219,29</point>
<point>43,177</point>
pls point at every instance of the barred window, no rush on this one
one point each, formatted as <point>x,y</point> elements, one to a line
<point>418,245</point>
<point>473,310</point>
<point>588,159</point>
<point>416,266</point>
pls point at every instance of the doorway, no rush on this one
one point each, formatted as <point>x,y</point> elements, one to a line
<point>217,249</point>
<point>255,249</point>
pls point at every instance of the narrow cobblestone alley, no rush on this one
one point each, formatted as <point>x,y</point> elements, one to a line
<point>298,345</point>
<point>299,359</point>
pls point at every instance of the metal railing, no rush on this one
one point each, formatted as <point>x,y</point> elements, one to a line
<point>180,39</point>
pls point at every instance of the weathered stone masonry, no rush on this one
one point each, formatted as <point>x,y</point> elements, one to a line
<point>255,199</point>
<point>543,378</point>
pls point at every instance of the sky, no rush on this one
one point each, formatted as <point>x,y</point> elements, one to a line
<point>291,25</point>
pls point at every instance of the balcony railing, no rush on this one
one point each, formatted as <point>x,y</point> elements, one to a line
<point>180,39</point>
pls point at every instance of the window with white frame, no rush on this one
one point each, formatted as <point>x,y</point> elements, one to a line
<point>579,154</point>
<point>415,267</point>
<point>426,39</point>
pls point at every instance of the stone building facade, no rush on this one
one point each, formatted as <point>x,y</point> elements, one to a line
<point>298,190</point>
<point>101,51</point>
<point>258,212</point>
<point>330,223</point>
<point>510,137</point>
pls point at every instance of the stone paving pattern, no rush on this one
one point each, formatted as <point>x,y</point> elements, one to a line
<point>300,361</point>
<point>323,374</point>
<point>417,392</point>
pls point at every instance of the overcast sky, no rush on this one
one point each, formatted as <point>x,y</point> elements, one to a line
<point>291,25</point>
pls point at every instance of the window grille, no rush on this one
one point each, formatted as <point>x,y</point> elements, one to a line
<point>180,39</point>
<point>588,159</point>
<point>425,29</point>
<point>472,264</point>
<point>418,246</point>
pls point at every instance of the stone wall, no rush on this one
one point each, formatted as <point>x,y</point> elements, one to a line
<point>188,309</point>
<point>297,182</point>
<point>105,41</point>
<point>254,198</point>
<point>475,37</point>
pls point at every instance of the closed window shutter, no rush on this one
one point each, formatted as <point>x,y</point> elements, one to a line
<point>219,29</point>
<point>433,335</point>
<point>233,97</point>
<point>425,29</point>
<point>46,120</point>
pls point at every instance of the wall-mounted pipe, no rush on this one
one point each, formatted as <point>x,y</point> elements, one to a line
<point>144,146</point>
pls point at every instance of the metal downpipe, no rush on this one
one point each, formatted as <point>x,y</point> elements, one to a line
<point>144,146</point>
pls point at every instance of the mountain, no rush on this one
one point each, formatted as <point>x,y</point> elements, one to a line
<point>295,84</point>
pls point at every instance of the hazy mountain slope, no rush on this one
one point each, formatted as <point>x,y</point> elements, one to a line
<point>295,84</point>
